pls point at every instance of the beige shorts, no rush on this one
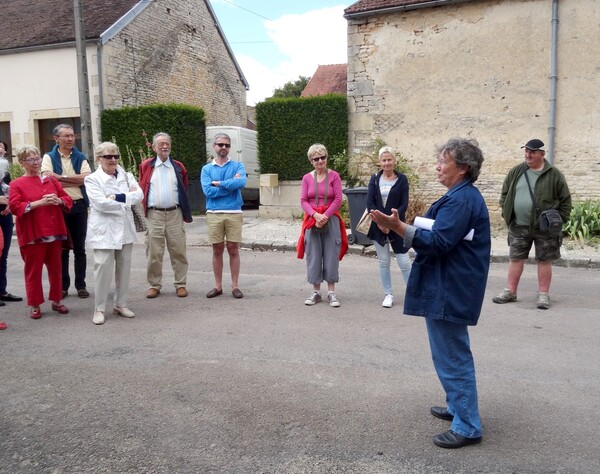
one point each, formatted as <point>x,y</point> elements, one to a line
<point>224,226</point>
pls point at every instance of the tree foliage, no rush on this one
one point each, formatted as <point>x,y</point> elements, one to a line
<point>291,89</point>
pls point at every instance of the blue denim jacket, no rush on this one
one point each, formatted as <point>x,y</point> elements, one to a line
<point>448,277</point>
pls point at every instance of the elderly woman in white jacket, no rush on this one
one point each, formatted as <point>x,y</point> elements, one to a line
<point>111,229</point>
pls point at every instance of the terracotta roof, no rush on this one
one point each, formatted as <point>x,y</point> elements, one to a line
<point>367,6</point>
<point>32,23</point>
<point>331,78</point>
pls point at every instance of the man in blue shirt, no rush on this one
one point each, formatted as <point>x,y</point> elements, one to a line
<point>222,182</point>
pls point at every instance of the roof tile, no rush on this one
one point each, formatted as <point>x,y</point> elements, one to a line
<point>327,79</point>
<point>32,24</point>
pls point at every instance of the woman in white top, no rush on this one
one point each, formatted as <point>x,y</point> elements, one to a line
<point>111,228</point>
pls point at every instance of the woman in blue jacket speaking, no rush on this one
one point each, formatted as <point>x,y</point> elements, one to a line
<point>447,283</point>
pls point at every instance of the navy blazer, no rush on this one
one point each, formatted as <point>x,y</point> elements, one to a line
<point>397,199</point>
<point>449,274</point>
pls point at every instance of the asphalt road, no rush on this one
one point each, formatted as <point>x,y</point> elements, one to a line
<point>268,385</point>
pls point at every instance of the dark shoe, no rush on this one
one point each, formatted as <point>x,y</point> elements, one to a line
<point>152,292</point>
<point>452,440</point>
<point>2,303</point>
<point>181,292</point>
<point>237,293</point>
<point>36,313</point>
<point>83,293</point>
<point>60,308</point>
<point>65,293</point>
<point>441,412</point>
<point>214,292</point>
<point>10,297</point>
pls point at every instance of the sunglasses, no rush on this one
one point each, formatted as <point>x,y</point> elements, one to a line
<point>318,158</point>
<point>111,157</point>
<point>221,145</point>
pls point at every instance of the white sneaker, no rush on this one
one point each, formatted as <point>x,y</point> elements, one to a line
<point>314,298</point>
<point>333,301</point>
<point>388,301</point>
<point>98,317</point>
<point>125,312</point>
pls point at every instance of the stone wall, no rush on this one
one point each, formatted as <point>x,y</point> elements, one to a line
<point>172,52</point>
<point>479,69</point>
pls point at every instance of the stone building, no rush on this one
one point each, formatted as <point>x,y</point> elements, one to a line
<point>138,52</point>
<point>500,71</point>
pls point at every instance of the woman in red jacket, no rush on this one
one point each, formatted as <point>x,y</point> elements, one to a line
<point>37,202</point>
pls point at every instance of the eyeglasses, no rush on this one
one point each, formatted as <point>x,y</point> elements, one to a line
<point>111,157</point>
<point>318,158</point>
<point>221,145</point>
<point>36,159</point>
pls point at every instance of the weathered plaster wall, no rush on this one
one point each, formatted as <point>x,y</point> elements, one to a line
<point>480,70</point>
<point>172,52</point>
<point>42,85</point>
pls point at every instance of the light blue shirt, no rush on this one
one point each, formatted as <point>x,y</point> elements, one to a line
<point>163,185</point>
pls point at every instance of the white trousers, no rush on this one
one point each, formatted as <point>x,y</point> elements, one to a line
<point>109,262</point>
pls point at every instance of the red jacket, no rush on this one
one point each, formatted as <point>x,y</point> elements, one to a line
<point>309,221</point>
<point>145,175</point>
<point>42,221</point>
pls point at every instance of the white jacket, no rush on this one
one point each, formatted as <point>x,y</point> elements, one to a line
<point>110,224</point>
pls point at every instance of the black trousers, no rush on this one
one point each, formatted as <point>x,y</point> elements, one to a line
<point>6,222</point>
<point>76,222</point>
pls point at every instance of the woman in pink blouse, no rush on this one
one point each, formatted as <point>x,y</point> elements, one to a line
<point>323,236</point>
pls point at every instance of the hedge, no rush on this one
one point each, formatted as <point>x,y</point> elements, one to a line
<point>288,127</point>
<point>132,128</point>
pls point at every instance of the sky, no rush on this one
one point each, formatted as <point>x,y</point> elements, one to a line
<point>276,41</point>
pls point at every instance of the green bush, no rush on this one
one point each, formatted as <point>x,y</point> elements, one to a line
<point>288,127</point>
<point>132,128</point>
<point>584,221</point>
<point>357,169</point>
<point>15,170</point>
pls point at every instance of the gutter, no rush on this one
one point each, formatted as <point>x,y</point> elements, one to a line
<point>553,82</point>
<point>44,47</point>
<point>402,8</point>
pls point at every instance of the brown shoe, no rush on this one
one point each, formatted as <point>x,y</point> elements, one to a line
<point>181,292</point>
<point>214,292</point>
<point>237,293</point>
<point>152,292</point>
<point>83,293</point>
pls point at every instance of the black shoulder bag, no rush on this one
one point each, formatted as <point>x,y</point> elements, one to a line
<point>549,220</point>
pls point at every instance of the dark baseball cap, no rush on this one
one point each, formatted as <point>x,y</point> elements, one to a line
<point>534,145</point>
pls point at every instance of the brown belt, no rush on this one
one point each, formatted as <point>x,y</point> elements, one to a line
<point>163,209</point>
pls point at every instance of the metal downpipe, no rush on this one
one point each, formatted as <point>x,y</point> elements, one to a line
<point>553,82</point>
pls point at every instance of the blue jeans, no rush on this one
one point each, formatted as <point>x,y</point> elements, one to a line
<point>384,257</point>
<point>453,362</point>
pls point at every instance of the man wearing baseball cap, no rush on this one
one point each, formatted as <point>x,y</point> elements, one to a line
<point>551,191</point>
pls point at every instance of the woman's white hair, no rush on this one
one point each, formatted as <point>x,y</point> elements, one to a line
<point>386,149</point>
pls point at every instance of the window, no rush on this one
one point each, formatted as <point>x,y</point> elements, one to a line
<point>46,127</point>
<point>5,137</point>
